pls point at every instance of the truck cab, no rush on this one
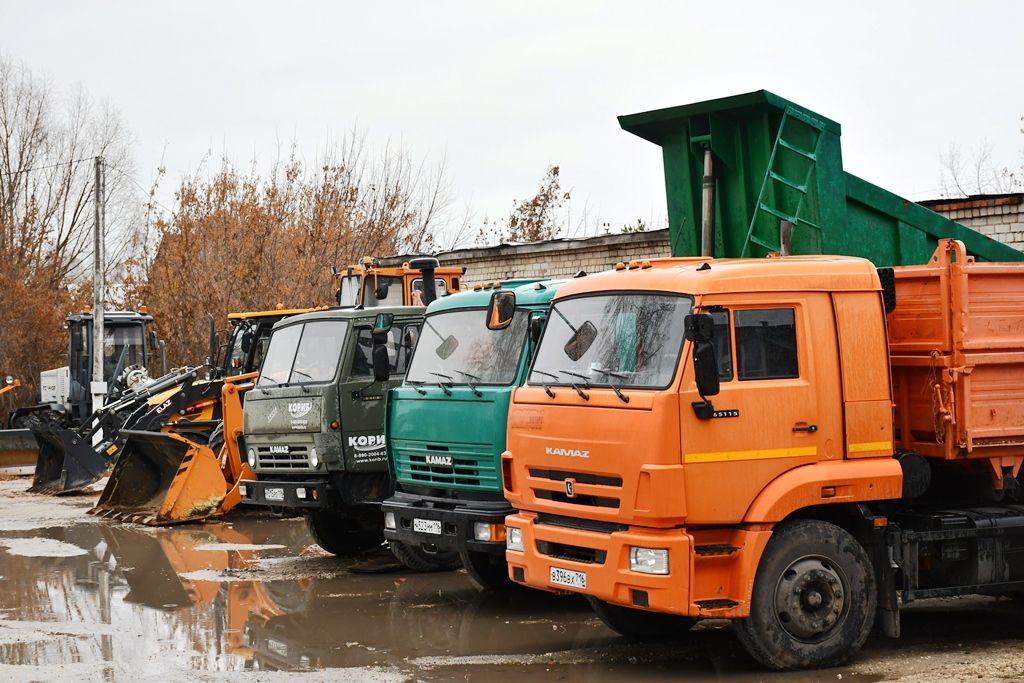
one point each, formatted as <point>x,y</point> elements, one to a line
<point>446,425</point>
<point>653,485</point>
<point>314,422</point>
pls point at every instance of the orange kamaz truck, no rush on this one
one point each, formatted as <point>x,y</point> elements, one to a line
<point>797,443</point>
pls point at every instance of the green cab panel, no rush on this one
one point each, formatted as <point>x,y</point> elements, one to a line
<point>454,442</point>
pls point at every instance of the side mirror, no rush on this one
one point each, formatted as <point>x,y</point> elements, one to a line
<point>699,327</point>
<point>381,291</point>
<point>501,310</point>
<point>536,328</point>
<point>383,322</point>
<point>381,359</point>
<point>705,369</point>
<point>246,341</point>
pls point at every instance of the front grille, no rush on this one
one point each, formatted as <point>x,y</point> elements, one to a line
<point>580,477</point>
<point>611,485</point>
<point>579,499</point>
<point>297,458</point>
<point>425,464</point>
<point>582,524</point>
<point>575,553</point>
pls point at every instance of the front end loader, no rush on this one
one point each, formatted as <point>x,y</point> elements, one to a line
<point>72,458</point>
<point>166,477</point>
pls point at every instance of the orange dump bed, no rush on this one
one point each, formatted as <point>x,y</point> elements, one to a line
<point>956,340</point>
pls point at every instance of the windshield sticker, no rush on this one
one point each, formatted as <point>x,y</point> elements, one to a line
<point>272,414</point>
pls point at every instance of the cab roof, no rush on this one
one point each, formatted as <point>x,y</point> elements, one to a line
<point>694,275</point>
<point>335,313</point>
<point>529,292</point>
<point>249,315</point>
<point>111,317</point>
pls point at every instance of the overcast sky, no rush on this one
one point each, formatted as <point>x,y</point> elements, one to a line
<point>502,90</point>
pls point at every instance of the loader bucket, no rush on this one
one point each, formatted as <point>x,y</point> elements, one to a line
<point>66,463</point>
<point>160,479</point>
<point>18,448</point>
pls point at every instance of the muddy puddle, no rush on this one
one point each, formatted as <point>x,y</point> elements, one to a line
<point>254,599</point>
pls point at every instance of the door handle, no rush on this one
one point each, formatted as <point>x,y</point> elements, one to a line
<point>806,428</point>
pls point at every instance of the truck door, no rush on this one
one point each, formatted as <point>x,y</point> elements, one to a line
<point>362,401</point>
<point>779,405</point>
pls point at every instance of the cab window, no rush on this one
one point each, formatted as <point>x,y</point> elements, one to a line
<point>765,343</point>
<point>722,344</point>
<point>401,342</point>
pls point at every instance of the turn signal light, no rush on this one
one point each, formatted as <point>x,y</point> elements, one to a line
<point>335,424</point>
<point>494,533</point>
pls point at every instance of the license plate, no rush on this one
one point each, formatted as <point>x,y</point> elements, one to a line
<point>567,577</point>
<point>427,526</point>
<point>273,493</point>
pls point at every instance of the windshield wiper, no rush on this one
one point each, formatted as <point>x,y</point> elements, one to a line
<point>304,388</point>
<point>415,384</point>
<point>547,389</point>
<point>574,385</point>
<point>472,386</point>
<point>440,382</point>
<point>615,387</point>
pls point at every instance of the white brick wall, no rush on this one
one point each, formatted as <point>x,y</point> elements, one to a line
<point>1000,217</point>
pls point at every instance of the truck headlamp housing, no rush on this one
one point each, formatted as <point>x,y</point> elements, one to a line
<point>250,457</point>
<point>514,538</point>
<point>389,521</point>
<point>314,459</point>
<point>648,560</point>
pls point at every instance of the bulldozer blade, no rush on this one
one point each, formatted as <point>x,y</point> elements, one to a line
<point>160,479</point>
<point>18,448</point>
<point>66,463</point>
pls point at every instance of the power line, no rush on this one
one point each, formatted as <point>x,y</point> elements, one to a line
<point>136,183</point>
<point>44,168</point>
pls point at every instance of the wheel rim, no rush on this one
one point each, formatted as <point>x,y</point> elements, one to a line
<point>811,598</point>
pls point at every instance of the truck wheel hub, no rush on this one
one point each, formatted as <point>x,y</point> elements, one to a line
<point>810,598</point>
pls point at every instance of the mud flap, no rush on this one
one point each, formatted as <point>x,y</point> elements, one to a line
<point>162,478</point>
<point>66,463</point>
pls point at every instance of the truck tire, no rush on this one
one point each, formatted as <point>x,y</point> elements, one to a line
<point>339,535</point>
<point>488,571</point>
<point>419,560</point>
<point>814,598</point>
<point>641,625</point>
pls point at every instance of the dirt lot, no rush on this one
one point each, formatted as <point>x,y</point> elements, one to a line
<point>254,600</point>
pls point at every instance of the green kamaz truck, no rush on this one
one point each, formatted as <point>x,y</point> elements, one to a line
<point>446,426</point>
<point>314,422</point>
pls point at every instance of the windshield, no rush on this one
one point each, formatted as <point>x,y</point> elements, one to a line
<point>457,347</point>
<point>386,291</point>
<point>348,291</point>
<point>628,340</point>
<point>303,354</point>
<point>118,339</point>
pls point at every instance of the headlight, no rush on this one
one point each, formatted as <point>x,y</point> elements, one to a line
<point>251,457</point>
<point>389,520</point>
<point>482,531</point>
<point>514,538</point>
<point>314,459</point>
<point>648,560</point>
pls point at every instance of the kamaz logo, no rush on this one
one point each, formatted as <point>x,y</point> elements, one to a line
<point>443,460</point>
<point>570,488</point>
<point>280,449</point>
<point>366,443</point>
<point>567,452</point>
<point>300,408</point>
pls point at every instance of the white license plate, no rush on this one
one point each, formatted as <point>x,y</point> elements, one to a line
<point>427,526</point>
<point>567,577</point>
<point>273,493</point>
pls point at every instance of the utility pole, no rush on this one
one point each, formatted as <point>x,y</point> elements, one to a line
<point>98,385</point>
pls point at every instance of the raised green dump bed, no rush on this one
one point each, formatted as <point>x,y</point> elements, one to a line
<point>773,160</point>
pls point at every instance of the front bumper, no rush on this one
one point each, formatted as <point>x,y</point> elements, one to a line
<point>604,559</point>
<point>316,493</point>
<point>457,518</point>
